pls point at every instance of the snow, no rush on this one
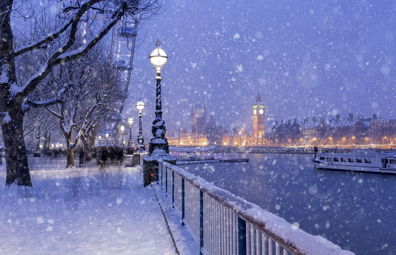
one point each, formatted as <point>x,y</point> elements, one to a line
<point>159,154</point>
<point>6,117</point>
<point>86,211</point>
<point>4,74</point>
<point>158,141</point>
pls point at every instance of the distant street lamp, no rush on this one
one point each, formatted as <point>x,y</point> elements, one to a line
<point>140,140</point>
<point>158,59</point>
<point>107,139</point>
<point>122,136</point>
<point>130,142</point>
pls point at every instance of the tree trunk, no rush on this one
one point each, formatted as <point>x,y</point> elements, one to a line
<point>15,151</point>
<point>12,124</point>
<point>70,157</point>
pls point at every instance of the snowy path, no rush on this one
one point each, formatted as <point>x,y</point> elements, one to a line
<point>82,211</point>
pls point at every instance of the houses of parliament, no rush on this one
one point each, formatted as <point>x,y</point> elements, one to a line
<point>342,132</point>
<point>205,133</point>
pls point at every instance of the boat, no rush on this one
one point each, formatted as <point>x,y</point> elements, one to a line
<point>373,162</point>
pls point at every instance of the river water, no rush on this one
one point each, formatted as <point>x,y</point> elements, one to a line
<point>353,210</point>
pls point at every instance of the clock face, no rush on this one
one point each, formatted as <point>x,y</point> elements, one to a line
<point>254,111</point>
<point>261,111</point>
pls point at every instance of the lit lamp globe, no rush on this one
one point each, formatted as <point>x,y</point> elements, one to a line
<point>140,106</point>
<point>130,121</point>
<point>122,128</point>
<point>158,57</point>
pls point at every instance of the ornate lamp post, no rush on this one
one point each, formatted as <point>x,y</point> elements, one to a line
<point>130,142</point>
<point>158,59</point>
<point>122,136</point>
<point>140,140</point>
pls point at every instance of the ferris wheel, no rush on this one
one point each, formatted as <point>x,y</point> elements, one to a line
<point>123,41</point>
<point>122,52</point>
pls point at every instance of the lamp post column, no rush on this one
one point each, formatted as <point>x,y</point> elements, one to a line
<point>158,130</point>
<point>130,142</point>
<point>122,136</point>
<point>158,59</point>
<point>159,147</point>
<point>140,139</point>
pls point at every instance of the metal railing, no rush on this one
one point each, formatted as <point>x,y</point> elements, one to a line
<point>222,223</point>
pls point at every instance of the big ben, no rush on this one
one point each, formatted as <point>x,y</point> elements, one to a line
<point>258,117</point>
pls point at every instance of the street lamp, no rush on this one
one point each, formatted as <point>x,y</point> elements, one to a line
<point>130,142</point>
<point>158,59</point>
<point>122,136</point>
<point>140,140</point>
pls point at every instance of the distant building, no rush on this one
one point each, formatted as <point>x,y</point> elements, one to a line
<point>198,119</point>
<point>258,117</point>
<point>336,131</point>
<point>210,134</point>
<point>214,133</point>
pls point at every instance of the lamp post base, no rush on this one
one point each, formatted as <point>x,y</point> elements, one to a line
<point>130,150</point>
<point>150,166</point>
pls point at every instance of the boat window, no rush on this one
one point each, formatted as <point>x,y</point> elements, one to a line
<point>351,160</point>
<point>322,158</point>
<point>343,159</point>
<point>328,159</point>
<point>367,160</point>
<point>335,159</point>
<point>359,160</point>
<point>392,161</point>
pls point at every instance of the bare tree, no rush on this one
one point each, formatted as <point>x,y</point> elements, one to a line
<point>14,93</point>
<point>38,123</point>
<point>84,104</point>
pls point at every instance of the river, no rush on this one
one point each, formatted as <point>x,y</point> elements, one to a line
<point>353,210</point>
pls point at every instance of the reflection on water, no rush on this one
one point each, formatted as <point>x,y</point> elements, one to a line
<point>353,210</point>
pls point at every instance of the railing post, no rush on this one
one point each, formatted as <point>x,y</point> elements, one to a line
<point>241,236</point>
<point>166,181</point>
<point>201,240</point>
<point>183,202</point>
<point>173,189</point>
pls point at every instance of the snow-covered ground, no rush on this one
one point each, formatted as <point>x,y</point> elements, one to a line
<point>87,211</point>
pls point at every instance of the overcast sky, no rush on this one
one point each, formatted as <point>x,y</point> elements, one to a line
<point>307,58</point>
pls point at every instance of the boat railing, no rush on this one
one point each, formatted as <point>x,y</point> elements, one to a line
<point>222,223</point>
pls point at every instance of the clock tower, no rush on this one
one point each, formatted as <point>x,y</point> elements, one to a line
<point>258,117</point>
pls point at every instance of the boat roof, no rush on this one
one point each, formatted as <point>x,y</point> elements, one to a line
<point>357,154</point>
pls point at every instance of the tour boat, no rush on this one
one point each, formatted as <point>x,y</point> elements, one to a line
<point>356,161</point>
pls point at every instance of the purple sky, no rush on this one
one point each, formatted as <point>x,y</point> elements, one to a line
<point>307,58</point>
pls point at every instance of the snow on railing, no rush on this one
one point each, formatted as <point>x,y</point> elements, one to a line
<point>222,223</point>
